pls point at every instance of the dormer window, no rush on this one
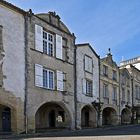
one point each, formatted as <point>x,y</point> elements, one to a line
<point>105,70</point>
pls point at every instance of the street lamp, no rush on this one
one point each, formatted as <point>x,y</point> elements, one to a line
<point>98,106</point>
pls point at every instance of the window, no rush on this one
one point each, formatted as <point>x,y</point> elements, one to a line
<point>89,88</point>
<point>44,42</point>
<point>137,92</point>
<point>123,79</point>
<point>128,96</point>
<point>114,75</point>
<point>48,43</point>
<point>105,91</point>
<point>114,95</point>
<point>88,64</point>
<point>48,79</point>
<point>105,70</point>
<point>123,94</point>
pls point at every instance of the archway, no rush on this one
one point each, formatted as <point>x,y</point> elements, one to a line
<point>5,119</point>
<point>126,116</point>
<point>52,116</point>
<point>88,117</point>
<point>109,116</point>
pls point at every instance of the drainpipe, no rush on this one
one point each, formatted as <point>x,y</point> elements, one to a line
<point>26,73</point>
<point>75,83</point>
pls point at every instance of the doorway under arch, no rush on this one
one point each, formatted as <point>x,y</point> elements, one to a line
<point>88,117</point>
<point>109,116</point>
<point>126,116</point>
<point>5,119</point>
<point>52,116</point>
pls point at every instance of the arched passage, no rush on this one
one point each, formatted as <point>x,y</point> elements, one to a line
<point>109,116</point>
<point>5,119</point>
<point>88,117</point>
<point>126,116</point>
<point>52,116</point>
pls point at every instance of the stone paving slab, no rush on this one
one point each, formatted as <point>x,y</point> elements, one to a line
<point>137,137</point>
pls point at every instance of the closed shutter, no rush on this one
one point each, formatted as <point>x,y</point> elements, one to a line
<point>90,65</point>
<point>59,49</point>
<point>84,86</point>
<point>60,77</point>
<point>39,38</point>
<point>86,63</point>
<point>38,75</point>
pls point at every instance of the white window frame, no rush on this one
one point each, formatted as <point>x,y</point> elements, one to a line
<point>48,80</point>
<point>88,64</point>
<point>89,87</point>
<point>48,42</point>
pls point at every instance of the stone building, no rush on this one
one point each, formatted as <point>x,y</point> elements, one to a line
<point>134,61</point>
<point>51,82</point>
<point>109,90</point>
<point>125,96</point>
<point>12,68</point>
<point>135,81</point>
<point>87,73</point>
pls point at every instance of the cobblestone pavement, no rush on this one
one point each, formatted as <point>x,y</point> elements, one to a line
<point>130,132</point>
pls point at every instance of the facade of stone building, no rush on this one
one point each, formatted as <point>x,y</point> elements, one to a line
<point>109,91</point>
<point>125,96</point>
<point>87,74</point>
<point>50,84</point>
<point>135,81</point>
<point>12,68</point>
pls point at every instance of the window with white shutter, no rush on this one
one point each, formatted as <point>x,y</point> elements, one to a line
<point>48,79</point>
<point>59,48</point>
<point>88,64</point>
<point>48,43</point>
<point>60,82</point>
<point>38,38</point>
<point>84,86</point>
<point>38,75</point>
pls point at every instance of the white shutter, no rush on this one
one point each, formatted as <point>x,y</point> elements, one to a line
<point>86,63</point>
<point>38,75</point>
<point>90,64</point>
<point>59,49</point>
<point>39,38</point>
<point>60,84</point>
<point>84,86</point>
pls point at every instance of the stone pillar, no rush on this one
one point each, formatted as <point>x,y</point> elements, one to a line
<point>100,119</point>
<point>31,123</point>
<point>78,117</point>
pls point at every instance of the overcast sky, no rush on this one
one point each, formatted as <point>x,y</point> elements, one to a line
<point>104,24</point>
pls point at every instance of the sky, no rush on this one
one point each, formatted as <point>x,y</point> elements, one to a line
<point>104,24</point>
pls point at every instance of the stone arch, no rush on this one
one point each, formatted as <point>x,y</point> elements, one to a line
<point>109,116</point>
<point>52,115</point>
<point>126,115</point>
<point>8,118</point>
<point>88,116</point>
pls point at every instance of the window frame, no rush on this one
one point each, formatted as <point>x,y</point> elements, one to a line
<point>48,43</point>
<point>105,70</point>
<point>89,90</point>
<point>88,69</point>
<point>48,79</point>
